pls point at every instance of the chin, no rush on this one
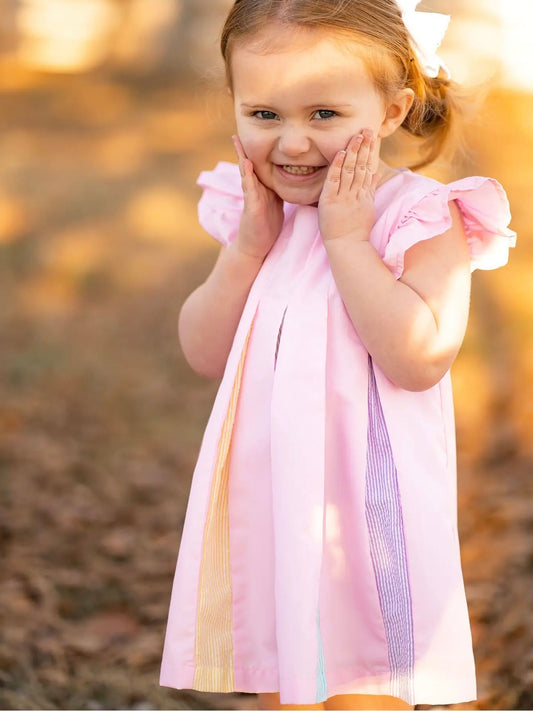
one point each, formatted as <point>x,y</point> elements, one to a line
<point>294,197</point>
<point>312,203</point>
<point>298,193</point>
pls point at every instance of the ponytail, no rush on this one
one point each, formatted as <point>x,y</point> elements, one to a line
<point>435,114</point>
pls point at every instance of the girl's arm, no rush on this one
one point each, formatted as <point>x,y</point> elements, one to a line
<point>209,317</point>
<point>412,327</point>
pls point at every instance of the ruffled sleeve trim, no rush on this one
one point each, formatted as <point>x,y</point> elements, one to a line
<point>485,211</point>
<point>220,207</point>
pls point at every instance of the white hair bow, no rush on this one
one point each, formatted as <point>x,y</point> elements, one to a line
<point>427,30</point>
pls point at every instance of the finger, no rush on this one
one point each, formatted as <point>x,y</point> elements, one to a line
<point>363,159</point>
<point>348,169</point>
<point>241,155</point>
<point>370,174</point>
<point>369,182</point>
<point>246,167</point>
<point>238,146</point>
<point>333,178</point>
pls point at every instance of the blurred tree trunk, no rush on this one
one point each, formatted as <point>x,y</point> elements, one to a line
<point>177,36</point>
<point>201,26</point>
<point>8,26</point>
<point>148,36</point>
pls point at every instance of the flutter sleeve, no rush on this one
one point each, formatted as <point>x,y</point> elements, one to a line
<point>485,211</point>
<point>220,207</point>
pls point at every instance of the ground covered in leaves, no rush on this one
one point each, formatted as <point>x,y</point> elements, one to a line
<point>100,418</point>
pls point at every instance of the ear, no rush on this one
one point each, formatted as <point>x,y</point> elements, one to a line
<point>396,111</point>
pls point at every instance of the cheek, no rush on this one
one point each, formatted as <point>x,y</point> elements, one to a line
<point>255,145</point>
<point>331,145</point>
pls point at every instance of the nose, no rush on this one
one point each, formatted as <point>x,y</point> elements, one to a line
<point>293,142</point>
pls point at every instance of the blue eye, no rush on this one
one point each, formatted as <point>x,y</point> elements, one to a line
<point>265,115</point>
<point>325,114</point>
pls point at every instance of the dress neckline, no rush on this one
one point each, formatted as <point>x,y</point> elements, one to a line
<point>393,177</point>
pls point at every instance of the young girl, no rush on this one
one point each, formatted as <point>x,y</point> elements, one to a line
<point>319,565</point>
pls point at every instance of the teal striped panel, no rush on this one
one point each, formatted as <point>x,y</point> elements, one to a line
<point>321,683</point>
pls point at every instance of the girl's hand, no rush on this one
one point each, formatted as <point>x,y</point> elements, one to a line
<point>346,205</point>
<point>262,216</point>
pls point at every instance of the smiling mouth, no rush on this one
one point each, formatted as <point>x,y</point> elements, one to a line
<point>300,169</point>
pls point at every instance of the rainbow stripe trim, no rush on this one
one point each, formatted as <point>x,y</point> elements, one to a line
<point>214,640</point>
<point>387,547</point>
<point>321,682</point>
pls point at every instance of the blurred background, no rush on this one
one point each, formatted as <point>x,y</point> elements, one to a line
<point>109,109</point>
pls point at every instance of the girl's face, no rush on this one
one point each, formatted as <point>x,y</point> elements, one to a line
<point>299,96</point>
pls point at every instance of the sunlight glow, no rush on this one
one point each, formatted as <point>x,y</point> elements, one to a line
<point>333,541</point>
<point>65,35</point>
<point>489,41</point>
<point>516,18</point>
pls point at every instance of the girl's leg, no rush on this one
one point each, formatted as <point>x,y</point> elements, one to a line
<point>270,702</point>
<point>341,702</point>
<point>366,702</point>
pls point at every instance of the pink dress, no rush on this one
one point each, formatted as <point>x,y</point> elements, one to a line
<point>320,553</point>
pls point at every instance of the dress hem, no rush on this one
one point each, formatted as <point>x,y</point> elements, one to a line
<point>248,680</point>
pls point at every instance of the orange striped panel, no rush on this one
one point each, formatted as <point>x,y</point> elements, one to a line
<point>214,642</point>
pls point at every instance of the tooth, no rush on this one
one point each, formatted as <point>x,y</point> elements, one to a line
<point>299,169</point>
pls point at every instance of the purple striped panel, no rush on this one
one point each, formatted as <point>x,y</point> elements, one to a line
<point>384,519</point>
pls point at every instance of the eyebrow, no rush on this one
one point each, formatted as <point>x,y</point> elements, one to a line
<point>323,104</point>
